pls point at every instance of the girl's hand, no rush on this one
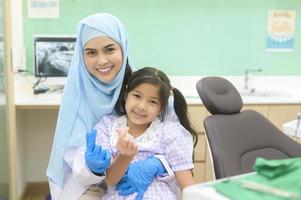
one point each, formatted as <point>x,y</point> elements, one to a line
<point>125,143</point>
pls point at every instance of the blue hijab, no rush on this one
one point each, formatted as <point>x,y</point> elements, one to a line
<point>85,98</point>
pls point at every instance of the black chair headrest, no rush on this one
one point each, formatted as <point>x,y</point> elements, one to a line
<point>219,95</point>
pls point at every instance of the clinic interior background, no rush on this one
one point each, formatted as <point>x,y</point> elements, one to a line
<point>185,38</point>
<point>181,37</point>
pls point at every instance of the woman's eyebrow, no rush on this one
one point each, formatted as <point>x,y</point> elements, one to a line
<point>89,49</point>
<point>109,45</point>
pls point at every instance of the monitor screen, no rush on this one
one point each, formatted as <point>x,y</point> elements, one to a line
<point>53,55</point>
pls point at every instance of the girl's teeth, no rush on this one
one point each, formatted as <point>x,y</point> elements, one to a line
<point>140,115</point>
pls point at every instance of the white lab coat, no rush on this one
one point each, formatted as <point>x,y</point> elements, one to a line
<point>78,177</point>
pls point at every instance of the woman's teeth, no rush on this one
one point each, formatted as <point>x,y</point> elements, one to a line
<point>104,69</point>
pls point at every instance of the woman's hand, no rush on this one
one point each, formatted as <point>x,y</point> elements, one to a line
<point>125,143</point>
<point>139,176</point>
<point>97,158</point>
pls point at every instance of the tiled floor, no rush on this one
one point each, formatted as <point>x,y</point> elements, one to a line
<point>35,197</point>
<point>36,191</point>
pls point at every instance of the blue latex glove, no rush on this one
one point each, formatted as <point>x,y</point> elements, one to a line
<point>139,176</point>
<point>97,159</point>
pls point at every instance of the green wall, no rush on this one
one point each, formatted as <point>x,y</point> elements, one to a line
<point>186,37</point>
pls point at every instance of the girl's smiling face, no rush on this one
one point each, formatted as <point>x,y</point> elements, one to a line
<point>103,58</point>
<point>142,105</point>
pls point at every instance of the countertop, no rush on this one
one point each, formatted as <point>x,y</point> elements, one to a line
<point>194,100</point>
<point>24,93</point>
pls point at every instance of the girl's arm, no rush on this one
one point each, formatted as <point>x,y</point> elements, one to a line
<point>184,178</point>
<point>117,170</point>
<point>127,151</point>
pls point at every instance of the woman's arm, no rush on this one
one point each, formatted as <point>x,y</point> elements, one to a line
<point>139,176</point>
<point>79,176</point>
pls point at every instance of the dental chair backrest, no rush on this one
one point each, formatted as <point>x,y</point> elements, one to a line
<point>236,138</point>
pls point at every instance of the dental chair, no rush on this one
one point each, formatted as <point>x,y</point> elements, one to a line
<point>236,138</point>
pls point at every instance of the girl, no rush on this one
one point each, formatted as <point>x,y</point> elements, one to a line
<point>141,126</point>
<point>99,66</point>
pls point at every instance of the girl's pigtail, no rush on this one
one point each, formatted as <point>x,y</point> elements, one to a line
<point>180,107</point>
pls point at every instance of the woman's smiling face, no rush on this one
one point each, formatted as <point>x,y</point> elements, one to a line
<point>103,58</point>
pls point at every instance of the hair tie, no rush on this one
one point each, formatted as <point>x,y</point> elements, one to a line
<point>171,90</point>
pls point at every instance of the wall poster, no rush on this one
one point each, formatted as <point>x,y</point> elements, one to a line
<point>43,9</point>
<point>281,30</point>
